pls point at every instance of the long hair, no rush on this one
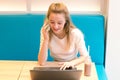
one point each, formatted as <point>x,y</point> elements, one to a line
<point>61,8</point>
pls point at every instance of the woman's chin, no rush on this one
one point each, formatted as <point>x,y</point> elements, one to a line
<point>56,32</point>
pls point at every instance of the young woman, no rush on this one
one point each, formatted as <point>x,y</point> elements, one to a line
<point>62,38</point>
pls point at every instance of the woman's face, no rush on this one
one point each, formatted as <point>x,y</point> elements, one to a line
<point>57,22</point>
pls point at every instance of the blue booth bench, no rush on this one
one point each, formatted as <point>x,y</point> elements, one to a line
<point>20,37</point>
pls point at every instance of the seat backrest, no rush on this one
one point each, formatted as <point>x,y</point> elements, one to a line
<point>93,28</point>
<point>20,35</point>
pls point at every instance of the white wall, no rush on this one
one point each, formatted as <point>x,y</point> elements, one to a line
<point>13,5</point>
<point>41,6</point>
<point>73,6</point>
<point>113,41</point>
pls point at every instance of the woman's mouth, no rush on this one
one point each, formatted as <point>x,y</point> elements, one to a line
<point>56,29</point>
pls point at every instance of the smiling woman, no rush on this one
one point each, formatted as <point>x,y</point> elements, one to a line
<point>63,39</point>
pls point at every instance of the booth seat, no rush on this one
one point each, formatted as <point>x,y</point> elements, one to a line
<point>20,37</point>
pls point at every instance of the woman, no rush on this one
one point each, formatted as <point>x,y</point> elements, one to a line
<point>62,38</point>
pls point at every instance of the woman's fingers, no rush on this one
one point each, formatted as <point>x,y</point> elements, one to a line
<point>66,65</point>
<point>45,32</point>
<point>63,67</point>
<point>48,28</point>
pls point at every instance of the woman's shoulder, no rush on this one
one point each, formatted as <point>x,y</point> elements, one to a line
<point>76,32</point>
<point>77,35</point>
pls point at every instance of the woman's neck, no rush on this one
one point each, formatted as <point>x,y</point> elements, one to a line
<point>61,35</point>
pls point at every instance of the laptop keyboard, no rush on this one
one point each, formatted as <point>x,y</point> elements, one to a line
<point>52,68</point>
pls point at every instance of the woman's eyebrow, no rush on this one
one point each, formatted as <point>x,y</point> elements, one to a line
<point>57,21</point>
<point>51,20</point>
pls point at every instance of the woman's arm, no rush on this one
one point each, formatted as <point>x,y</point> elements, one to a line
<point>80,45</point>
<point>74,62</point>
<point>43,52</point>
<point>84,57</point>
<point>42,56</point>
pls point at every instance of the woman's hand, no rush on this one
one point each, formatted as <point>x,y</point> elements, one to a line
<point>66,65</point>
<point>45,31</point>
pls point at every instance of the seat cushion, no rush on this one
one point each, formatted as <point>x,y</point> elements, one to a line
<point>101,72</point>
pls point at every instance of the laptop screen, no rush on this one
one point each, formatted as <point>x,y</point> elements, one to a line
<point>54,73</point>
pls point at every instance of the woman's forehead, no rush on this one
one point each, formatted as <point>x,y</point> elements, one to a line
<point>57,16</point>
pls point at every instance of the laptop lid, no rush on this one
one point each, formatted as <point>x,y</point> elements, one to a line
<point>54,73</point>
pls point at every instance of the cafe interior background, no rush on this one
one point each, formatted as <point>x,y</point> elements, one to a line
<point>108,8</point>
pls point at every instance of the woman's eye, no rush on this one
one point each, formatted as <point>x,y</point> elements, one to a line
<point>52,22</point>
<point>59,23</point>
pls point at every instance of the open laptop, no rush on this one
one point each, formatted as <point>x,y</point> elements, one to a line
<point>54,73</point>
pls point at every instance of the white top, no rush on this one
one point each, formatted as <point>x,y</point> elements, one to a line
<point>58,46</point>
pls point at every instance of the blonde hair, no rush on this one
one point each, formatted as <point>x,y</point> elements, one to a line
<point>61,8</point>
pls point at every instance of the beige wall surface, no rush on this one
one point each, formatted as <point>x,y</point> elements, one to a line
<point>41,6</point>
<point>113,41</point>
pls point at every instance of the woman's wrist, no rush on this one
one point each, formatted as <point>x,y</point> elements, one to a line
<point>45,42</point>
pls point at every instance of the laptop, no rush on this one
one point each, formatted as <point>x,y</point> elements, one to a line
<point>54,73</point>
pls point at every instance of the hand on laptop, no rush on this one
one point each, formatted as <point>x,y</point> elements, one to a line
<point>66,65</point>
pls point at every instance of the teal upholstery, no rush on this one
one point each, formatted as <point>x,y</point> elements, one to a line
<point>20,37</point>
<point>101,72</point>
<point>93,28</point>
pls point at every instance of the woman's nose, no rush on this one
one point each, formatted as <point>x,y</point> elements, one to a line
<point>56,26</point>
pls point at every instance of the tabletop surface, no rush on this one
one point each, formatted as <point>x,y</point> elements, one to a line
<point>20,70</point>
